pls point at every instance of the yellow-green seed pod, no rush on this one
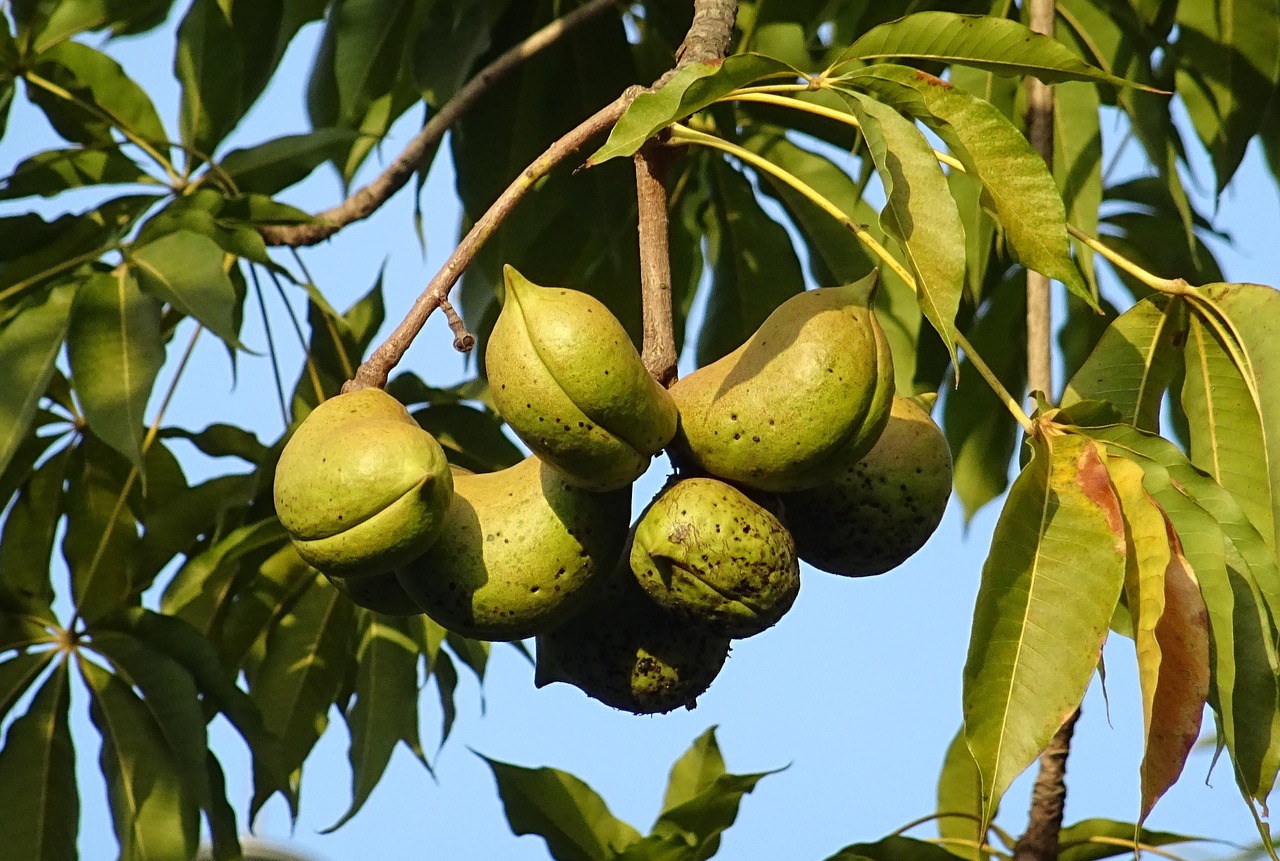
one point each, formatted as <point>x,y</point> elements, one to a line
<point>569,382</point>
<point>520,548</point>
<point>807,394</point>
<point>360,487</point>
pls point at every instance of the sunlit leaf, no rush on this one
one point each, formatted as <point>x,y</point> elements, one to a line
<point>29,346</point>
<point>1048,590</point>
<point>54,171</point>
<point>200,587</point>
<point>996,44</point>
<point>893,849</point>
<point>1076,844</point>
<point>1134,362</point>
<point>115,349</point>
<point>690,89</point>
<point>562,810</point>
<point>38,776</point>
<point>695,770</point>
<point>919,213</point>
<point>185,269</point>
<point>960,801</point>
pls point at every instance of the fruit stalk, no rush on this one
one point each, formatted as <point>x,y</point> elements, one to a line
<point>659,349</point>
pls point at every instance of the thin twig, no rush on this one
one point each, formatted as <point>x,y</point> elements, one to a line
<point>364,202</point>
<point>659,348</point>
<point>378,366</point>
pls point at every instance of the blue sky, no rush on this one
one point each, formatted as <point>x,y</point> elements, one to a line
<point>857,690</point>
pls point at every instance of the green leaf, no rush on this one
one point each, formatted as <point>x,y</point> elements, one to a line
<point>101,536</point>
<point>177,526</point>
<point>1077,160</point>
<point>121,16</point>
<point>200,589</point>
<point>696,770</point>
<point>690,89</point>
<point>1048,590</point>
<point>1020,192</point>
<point>449,41</point>
<point>305,660</point>
<point>919,212</point>
<point>17,672</point>
<point>221,440</point>
<point>960,800</point>
<point>26,543</point>
<point>103,98</point>
<point>562,810</point>
<point>29,346</point>
<point>1075,845</point>
<point>154,815</point>
<point>272,166</point>
<point>702,819</point>
<point>1228,56</point>
<point>753,264</point>
<point>1170,632</point>
<point>115,349</point>
<point>385,711</point>
<point>472,438</point>
<point>38,777</point>
<point>1134,362</point>
<point>185,269</point>
<point>1234,412</point>
<point>995,44</point>
<point>54,171</point>
<point>893,849</point>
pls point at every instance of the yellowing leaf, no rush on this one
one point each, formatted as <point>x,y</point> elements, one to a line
<point>1047,594</point>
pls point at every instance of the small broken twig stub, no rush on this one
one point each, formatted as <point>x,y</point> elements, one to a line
<point>659,348</point>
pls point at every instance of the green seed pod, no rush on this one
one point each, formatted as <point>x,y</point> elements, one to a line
<point>876,513</point>
<point>519,549</point>
<point>708,554</point>
<point>569,382</point>
<point>360,487</point>
<point>807,394</point>
<point>625,651</point>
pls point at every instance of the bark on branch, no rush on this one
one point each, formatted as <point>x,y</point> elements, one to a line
<point>710,32</point>
<point>659,348</point>
<point>367,200</point>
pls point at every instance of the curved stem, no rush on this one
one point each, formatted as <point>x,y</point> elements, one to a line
<point>142,144</point>
<point>367,200</point>
<point>1172,286</point>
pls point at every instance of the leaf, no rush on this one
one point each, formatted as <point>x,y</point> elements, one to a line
<point>1048,589</point>
<point>153,814</point>
<point>115,350</point>
<point>222,440</point>
<point>54,171</point>
<point>995,44</point>
<point>385,711</point>
<point>1075,845</point>
<point>960,801</point>
<point>29,346</point>
<point>1234,412</point>
<point>103,98</point>
<point>690,89</point>
<point>1228,56</point>
<point>306,657</point>
<point>277,164</point>
<point>1020,191</point>
<point>753,264</point>
<point>199,587</point>
<point>893,849</point>
<point>38,777</point>
<point>26,542</point>
<point>562,810</point>
<point>101,536</point>
<point>702,819</point>
<point>121,16</point>
<point>185,269</point>
<point>1134,362</point>
<point>1171,634</point>
<point>696,769</point>
<point>195,513</point>
<point>17,672</point>
<point>1077,161</point>
<point>473,439</point>
<point>919,211</point>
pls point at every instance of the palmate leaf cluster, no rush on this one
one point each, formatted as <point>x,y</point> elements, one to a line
<point>186,601</point>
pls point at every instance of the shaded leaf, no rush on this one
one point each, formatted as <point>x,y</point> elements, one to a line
<point>101,536</point>
<point>1134,362</point>
<point>54,171</point>
<point>960,800</point>
<point>893,849</point>
<point>562,810</point>
<point>1048,589</point>
<point>753,264</point>
<point>121,16</point>
<point>26,542</point>
<point>17,672</point>
<point>29,346</point>
<point>473,439</point>
<point>115,349</point>
<point>222,440</point>
<point>996,44</point>
<point>185,269</point>
<point>690,89</point>
<point>38,776</point>
<point>153,813</point>
<point>385,711</point>
<point>1075,845</point>
<point>272,166</point>
<point>194,514</point>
